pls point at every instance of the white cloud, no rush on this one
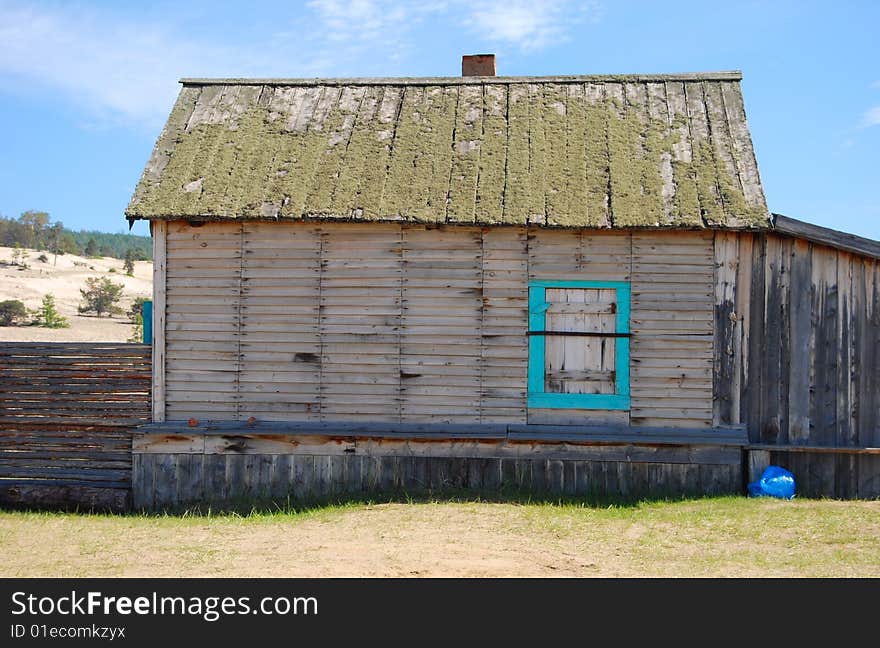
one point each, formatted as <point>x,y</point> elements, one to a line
<point>529,25</point>
<point>119,70</point>
<point>114,69</point>
<point>871,117</point>
<point>362,21</point>
<point>123,69</point>
<point>368,33</point>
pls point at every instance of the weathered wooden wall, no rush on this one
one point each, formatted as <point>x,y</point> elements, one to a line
<point>798,339</point>
<point>798,355</point>
<point>225,468</point>
<point>67,411</point>
<point>386,322</point>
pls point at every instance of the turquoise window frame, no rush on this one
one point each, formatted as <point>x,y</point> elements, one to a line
<point>538,305</point>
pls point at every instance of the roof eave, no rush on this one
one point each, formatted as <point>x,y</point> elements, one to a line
<point>826,236</point>
<point>213,218</point>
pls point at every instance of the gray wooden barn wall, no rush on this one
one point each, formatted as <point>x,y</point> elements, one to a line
<point>385,322</point>
<point>176,470</point>
<point>797,342</point>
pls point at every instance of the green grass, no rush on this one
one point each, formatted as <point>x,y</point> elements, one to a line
<point>457,536</point>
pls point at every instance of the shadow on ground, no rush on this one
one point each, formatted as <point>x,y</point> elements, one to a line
<point>292,506</point>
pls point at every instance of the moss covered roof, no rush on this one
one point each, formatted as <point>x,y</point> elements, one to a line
<point>592,151</point>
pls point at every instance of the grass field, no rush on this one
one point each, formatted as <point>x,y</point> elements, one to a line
<point>718,537</point>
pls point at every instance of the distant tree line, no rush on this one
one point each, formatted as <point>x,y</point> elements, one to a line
<point>34,229</point>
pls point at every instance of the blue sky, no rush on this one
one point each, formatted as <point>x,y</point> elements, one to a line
<point>85,86</point>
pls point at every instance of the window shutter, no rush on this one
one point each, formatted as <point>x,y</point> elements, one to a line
<point>579,344</point>
<point>575,364</point>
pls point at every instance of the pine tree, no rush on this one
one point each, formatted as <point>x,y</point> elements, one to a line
<point>47,314</point>
<point>137,331</point>
<point>128,264</point>
<point>91,249</point>
<point>100,295</point>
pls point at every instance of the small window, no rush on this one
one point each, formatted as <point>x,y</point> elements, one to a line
<point>579,344</point>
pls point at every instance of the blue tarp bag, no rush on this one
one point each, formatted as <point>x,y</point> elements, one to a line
<point>774,482</point>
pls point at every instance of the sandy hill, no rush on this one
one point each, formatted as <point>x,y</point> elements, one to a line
<point>63,278</point>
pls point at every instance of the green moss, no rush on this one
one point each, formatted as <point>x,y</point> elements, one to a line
<point>424,131</point>
<point>257,192</point>
<point>244,194</point>
<point>398,198</point>
<point>465,155</point>
<point>519,154</point>
<point>726,151</point>
<point>191,159</point>
<point>165,145</point>
<point>377,156</point>
<point>624,150</point>
<point>568,205</point>
<point>736,206</point>
<point>310,175</point>
<point>413,201</point>
<point>292,143</point>
<point>577,177</point>
<point>705,170</point>
<point>223,166</point>
<point>442,102</point>
<point>365,151</point>
<point>493,154</point>
<point>536,204</point>
<point>685,202</point>
<point>635,146</point>
<point>556,169</point>
<point>333,157</point>
<point>518,179</point>
<point>598,163</point>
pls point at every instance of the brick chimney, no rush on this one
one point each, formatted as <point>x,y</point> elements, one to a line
<point>478,65</point>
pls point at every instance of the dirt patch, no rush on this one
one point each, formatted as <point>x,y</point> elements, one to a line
<point>458,540</point>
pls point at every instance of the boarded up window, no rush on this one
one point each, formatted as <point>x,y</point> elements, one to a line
<point>579,344</point>
<point>580,364</point>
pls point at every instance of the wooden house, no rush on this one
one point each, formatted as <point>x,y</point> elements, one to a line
<point>556,283</point>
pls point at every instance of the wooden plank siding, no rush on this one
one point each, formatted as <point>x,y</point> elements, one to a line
<point>360,322</point>
<point>67,411</point>
<point>797,358</point>
<point>441,320</point>
<point>224,481</point>
<point>401,322</point>
<point>160,239</point>
<point>212,467</point>
<point>561,255</point>
<point>203,305</point>
<point>797,341</point>
<point>504,349</point>
<point>672,325</point>
<point>280,350</point>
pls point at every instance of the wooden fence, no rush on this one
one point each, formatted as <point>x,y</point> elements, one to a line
<point>67,411</point>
